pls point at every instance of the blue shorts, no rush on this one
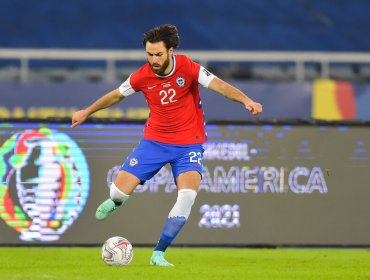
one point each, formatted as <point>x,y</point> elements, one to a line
<point>150,156</point>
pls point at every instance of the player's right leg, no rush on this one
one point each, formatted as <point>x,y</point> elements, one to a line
<point>120,191</point>
<point>141,165</point>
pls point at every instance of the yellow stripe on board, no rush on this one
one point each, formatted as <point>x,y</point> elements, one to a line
<point>324,101</point>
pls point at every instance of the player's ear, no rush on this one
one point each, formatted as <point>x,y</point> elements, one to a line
<point>170,51</point>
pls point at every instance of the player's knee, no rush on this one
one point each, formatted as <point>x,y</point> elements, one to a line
<point>184,202</point>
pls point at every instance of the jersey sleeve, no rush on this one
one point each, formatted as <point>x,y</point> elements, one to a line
<point>205,77</point>
<point>125,88</point>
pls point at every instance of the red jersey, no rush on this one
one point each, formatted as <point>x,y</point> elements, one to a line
<point>176,114</point>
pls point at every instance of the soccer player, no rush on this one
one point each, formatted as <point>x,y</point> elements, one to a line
<point>174,131</point>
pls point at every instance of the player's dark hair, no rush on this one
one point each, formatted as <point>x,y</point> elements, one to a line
<point>166,33</point>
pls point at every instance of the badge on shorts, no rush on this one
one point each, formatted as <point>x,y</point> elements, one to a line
<point>133,162</point>
<point>180,81</point>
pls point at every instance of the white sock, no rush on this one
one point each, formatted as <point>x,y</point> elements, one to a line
<point>117,195</point>
<point>184,202</point>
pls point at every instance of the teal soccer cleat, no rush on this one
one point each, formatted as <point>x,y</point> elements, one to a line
<point>158,259</point>
<point>106,209</point>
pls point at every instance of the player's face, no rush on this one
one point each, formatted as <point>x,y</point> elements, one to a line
<point>159,57</point>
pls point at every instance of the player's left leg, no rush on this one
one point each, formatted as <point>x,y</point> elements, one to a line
<point>188,185</point>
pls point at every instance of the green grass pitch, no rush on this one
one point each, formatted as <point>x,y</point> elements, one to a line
<point>190,263</point>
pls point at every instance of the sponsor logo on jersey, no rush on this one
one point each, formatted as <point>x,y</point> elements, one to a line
<point>180,81</point>
<point>133,162</point>
<point>151,87</point>
<point>167,84</point>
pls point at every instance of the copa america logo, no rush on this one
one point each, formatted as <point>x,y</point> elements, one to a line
<point>44,183</point>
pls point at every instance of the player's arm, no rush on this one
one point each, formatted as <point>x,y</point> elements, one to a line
<point>105,101</point>
<point>235,94</point>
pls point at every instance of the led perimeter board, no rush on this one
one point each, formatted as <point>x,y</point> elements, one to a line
<point>261,185</point>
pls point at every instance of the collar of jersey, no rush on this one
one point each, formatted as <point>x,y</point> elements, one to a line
<point>172,70</point>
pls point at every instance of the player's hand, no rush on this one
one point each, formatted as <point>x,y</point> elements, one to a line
<point>254,107</point>
<point>79,117</point>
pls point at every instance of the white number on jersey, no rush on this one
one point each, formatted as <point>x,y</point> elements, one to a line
<point>168,96</point>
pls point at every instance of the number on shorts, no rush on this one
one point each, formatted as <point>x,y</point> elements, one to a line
<point>195,157</point>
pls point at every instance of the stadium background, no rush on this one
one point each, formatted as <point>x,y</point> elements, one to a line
<point>298,175</point>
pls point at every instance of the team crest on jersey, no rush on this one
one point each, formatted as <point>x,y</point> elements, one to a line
<point>133,162</point>
<point>180,81</point>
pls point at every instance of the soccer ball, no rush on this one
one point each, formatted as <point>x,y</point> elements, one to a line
<point>117,251</point>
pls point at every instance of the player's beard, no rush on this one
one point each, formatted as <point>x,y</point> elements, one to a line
<point>161,69</point>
